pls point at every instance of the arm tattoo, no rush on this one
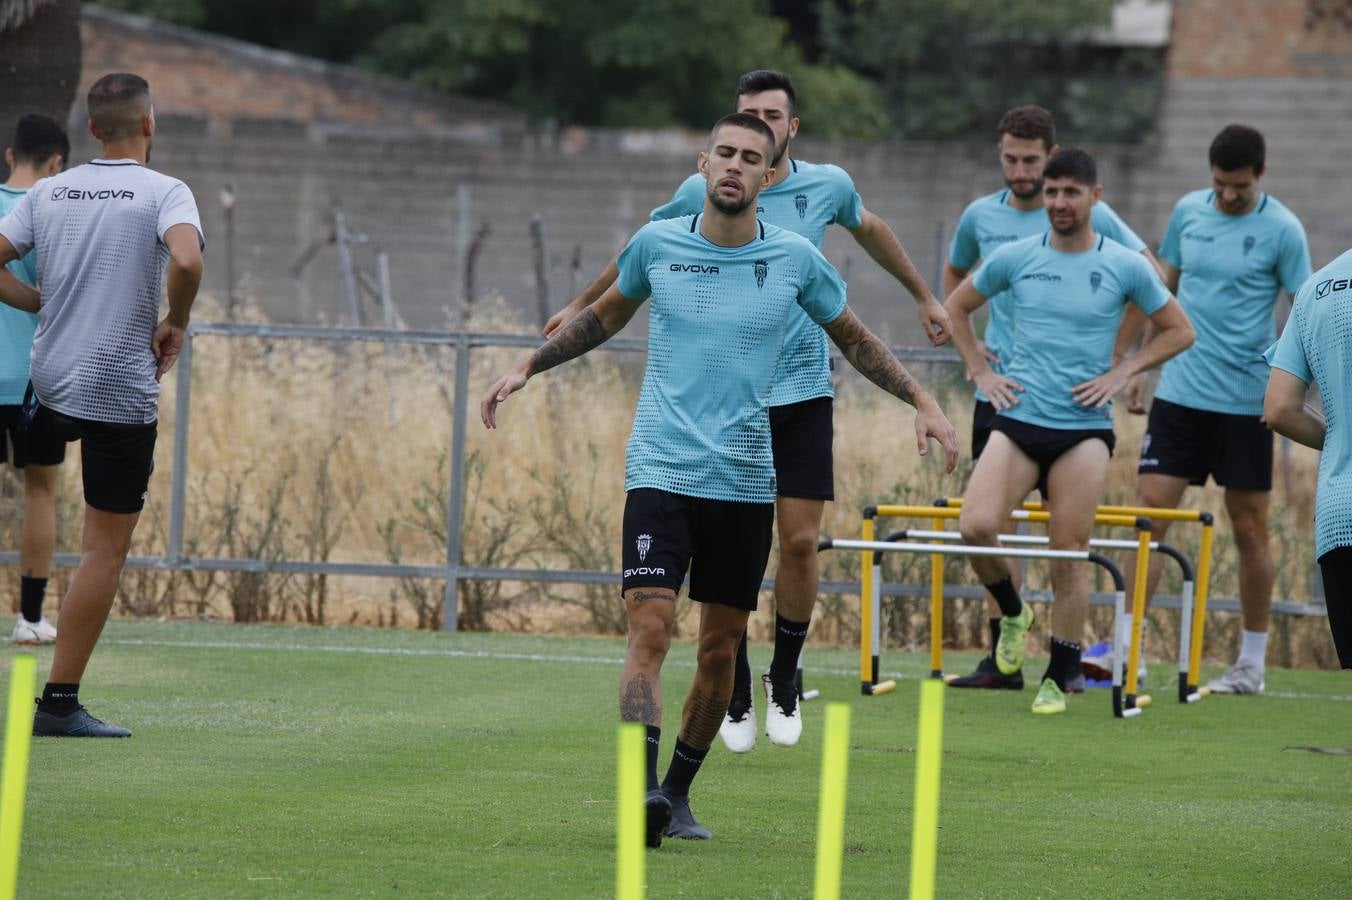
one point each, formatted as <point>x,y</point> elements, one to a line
<point>638,702</point>
<point>703,717</point>
<point>582,333</point>
<point>872,358</point>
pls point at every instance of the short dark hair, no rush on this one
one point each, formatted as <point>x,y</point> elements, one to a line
<point>758,80</point>
<point>746,120</point>
<point>1238,147</point>
<point>116,104</point>
<point>39,137</point>
<point>1029,122</point>
<point>1072,163</point>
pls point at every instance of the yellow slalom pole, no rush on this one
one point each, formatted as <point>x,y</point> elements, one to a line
<point>14,775</point>
<point>1199,604</point>
<point>866,674</point>
<point>629,812</point>
<point>937,609</point>
<point>831,806</point>
<point>1137,612</point>
<point>929,753</point>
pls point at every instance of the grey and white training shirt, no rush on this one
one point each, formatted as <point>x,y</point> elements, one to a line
<point>99,231</point>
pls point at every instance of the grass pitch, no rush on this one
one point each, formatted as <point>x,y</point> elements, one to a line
<point>273,761</point>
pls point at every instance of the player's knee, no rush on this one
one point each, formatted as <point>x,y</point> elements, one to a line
<point>799,545</point>
<point>649,634</point>
<point>978,529</point>
<point>717,653</point>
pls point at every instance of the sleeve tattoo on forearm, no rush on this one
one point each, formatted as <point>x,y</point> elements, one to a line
<point>583,332</point>
<point>639,702</point>
<point>873,360</point>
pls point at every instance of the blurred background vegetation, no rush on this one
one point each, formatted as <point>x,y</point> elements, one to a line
<point>913,69</point>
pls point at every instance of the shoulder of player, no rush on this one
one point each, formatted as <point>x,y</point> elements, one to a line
<point>1334,278</point>
<point>1269,207</point>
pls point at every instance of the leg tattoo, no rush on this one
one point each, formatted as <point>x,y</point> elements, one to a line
<point>703,717</point>
<point>638,702</point>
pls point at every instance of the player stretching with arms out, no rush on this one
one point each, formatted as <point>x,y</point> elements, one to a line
<point>1067,291</point>
<point>699,476</point>
<point>805,198</point>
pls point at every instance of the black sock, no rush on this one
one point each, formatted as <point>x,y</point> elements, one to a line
<point>60,699</point>
<point>1065,657</point>
<point>1006,595</point>
<point>789,638</point>
<point>685,763</point>
<point>995,634</point>
<point>741,672</point>
<point>654,739</point>
<point>31,591</point>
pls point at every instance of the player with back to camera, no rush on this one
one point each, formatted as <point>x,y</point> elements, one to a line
<point>106,234</point>
<point>699,475</point>
<point>1067,291</point>
<point>39,150</point>
<point>804,198</point>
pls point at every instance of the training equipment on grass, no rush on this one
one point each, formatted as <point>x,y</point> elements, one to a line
<point>629,812</point>
<point>929,752</point>
<point>1192,614</point>
<point>14,774</point>
<point>831,805</point>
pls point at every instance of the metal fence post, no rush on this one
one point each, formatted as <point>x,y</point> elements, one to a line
<point>450,599</point>
<point>179,475</point>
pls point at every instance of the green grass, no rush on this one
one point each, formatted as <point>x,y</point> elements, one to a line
<point>274,761</point>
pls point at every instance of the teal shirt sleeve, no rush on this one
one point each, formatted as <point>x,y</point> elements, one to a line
<point>633,267</point>
<point>995,273</point>
<point>1288,353</point>
<point>1145,288</point>
<point>1107,221</point>
<point>964,251</point>
<point>1293,266</point>
<point>1170,251</point>
<point>687,201</point>
<point>822,293</point>
<point>849,206</point>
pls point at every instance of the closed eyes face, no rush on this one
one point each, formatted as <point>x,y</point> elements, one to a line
<point>736,166</point>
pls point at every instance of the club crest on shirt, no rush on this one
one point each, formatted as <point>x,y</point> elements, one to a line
<point>644,544</point>
<point>800,204</point>
<point>1095,279</point>
<point>762,269</point>
<point>1249,241</point>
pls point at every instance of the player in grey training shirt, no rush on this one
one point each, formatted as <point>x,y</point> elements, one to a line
<point>107,234</point>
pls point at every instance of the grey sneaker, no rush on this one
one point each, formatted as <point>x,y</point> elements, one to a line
<point>683,823</point>
<point>1243,678</point>
<point>77,724</point>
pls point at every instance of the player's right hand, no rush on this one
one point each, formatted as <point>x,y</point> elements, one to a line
<point>1001,391</point>
<point>991,356</point>
<point>558,320</point>
<point>503,388</point>
<point>1136,390</point>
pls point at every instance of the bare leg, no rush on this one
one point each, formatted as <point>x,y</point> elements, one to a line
<point>107,538</point>
<point>799,522</point>
<point>720,629</point>
<point>38,540</point>
<point>1002,478</point>
<point>1249,518</point>
<point>1076,481</point>
<point>652,612</point>
<point>1160,492</point>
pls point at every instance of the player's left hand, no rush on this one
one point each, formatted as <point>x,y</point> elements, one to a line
<point>934,319</point>
<point>930,422</point>
<point>166,343</point>
<point>1096,392</point>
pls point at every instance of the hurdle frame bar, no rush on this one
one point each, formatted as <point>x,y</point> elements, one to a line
<point>1192,612</point>
<point>1124,706</point>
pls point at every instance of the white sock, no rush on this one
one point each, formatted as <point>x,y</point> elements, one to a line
<point>1253,648</point>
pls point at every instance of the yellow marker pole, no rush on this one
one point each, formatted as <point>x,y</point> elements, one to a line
<point>14,775</point>
<point>831,806</point>
<point>1137,612</point>
<point>629,812</point>
<point>866,674</point>
<point>1199,604</point>
<point>937,609</point>
<point>928,754</point>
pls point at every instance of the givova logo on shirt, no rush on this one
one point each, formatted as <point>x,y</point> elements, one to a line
<point>62,193</point>
<point>1329,285</point>
<point>1040,276</point>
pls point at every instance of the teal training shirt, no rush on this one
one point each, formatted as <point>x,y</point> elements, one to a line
<point>814,196</point>
<point>719,315</point>
<point>1316,347</point>
<point>1233,268</point>
<point>16,326</point>
<point>1066,309</point>
<point>988,223</point>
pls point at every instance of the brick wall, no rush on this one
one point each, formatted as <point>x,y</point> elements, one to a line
<point>1251,38</point>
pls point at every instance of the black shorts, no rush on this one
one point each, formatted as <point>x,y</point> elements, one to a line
<point>725,545</point>
<point>800,436</point>
<point>35,445</point>
<point>1336,567</point>
<point>115,460</point>
<point>1045,446</point>
<point>983,414</point>
<point>1193,443</point>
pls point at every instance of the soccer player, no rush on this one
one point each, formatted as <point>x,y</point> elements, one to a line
<point>39,150</point>
<point>1065,292</point>
<point>725,288</point>
<point>1228,251</point>
<point>804,198</point>
<point>1027,141</point>
<point>1316,348</point>
<point>105,232</point>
